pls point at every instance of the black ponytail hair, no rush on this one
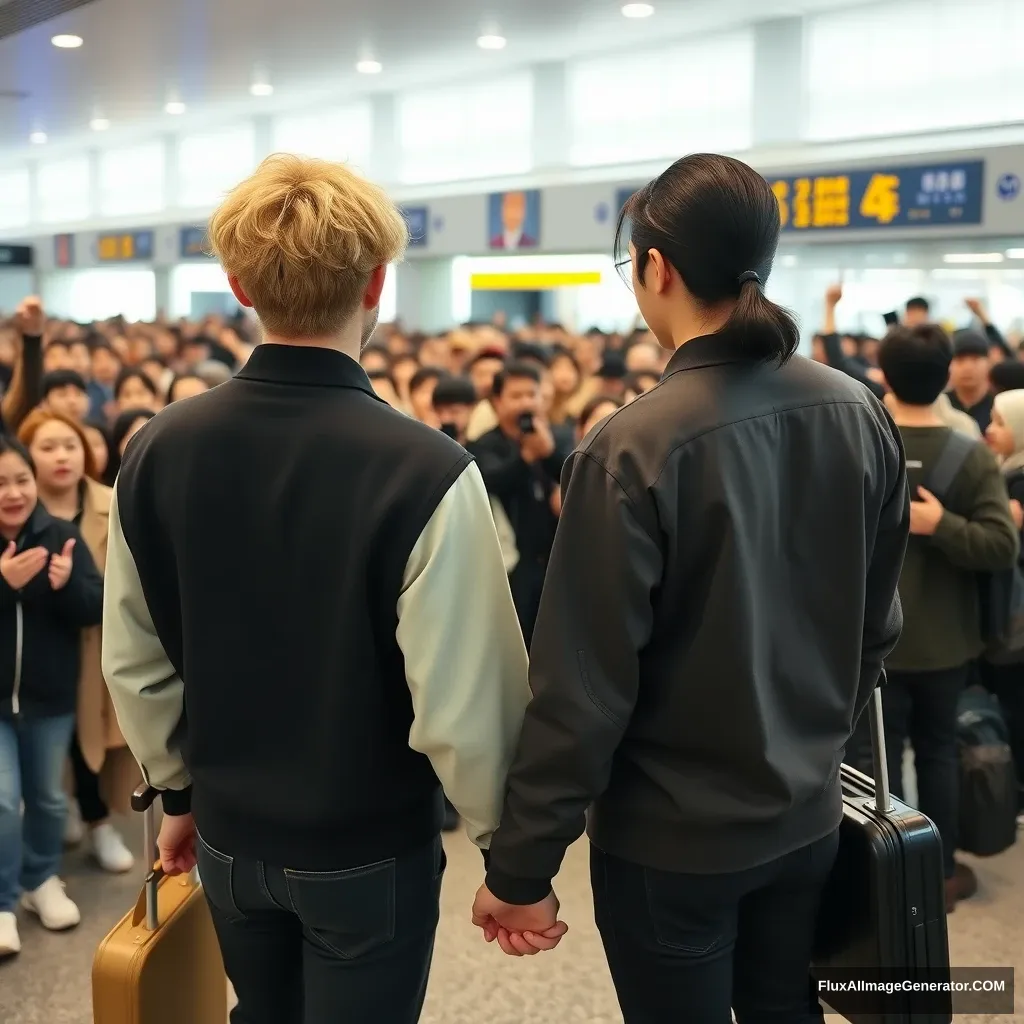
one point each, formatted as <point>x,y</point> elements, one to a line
<point>716,221</point>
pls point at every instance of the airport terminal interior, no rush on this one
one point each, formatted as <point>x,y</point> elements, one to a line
<point>512,135</point>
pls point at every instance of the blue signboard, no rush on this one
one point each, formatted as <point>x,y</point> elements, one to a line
<point>417,219</point>
<point>919,195</point>
<point>15,255</point>
<point>194,243</point>
<point>125,246</point>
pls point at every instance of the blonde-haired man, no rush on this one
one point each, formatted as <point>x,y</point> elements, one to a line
<point>317,580</point>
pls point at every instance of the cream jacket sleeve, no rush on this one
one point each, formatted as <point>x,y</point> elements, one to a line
<point>147,693</point>
<point>465,659</point>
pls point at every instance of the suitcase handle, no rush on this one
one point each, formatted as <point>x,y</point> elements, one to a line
<point>883,800</point>
<point>142,800</point>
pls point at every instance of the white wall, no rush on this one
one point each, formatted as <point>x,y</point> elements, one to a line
<point>15,284</point>
<point>86,295</point>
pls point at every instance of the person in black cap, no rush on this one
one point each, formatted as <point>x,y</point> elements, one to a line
<point>968,377</point>
<point>454,402</point>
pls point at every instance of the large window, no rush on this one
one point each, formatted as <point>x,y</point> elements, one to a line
<point>63,188</point>
<point>695,94</point>
<point>15,198</point>
<point>211,164</point>
<point>470,130</point>
<point>343,133</point>
<point>132,179</point>
<point>913,65</point>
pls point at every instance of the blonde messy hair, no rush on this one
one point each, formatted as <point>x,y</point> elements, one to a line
<point>302,236</point>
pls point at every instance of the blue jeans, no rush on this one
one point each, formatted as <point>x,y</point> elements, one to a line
<point>32,756</point>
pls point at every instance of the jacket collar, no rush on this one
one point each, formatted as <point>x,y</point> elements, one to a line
<point>307,366</point>
<point>36,525</point>
<point>708,350</point>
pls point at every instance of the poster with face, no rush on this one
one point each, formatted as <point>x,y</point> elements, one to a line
<point>514,220</point>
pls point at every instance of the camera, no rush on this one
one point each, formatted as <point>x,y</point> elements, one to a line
<point>525,423</point>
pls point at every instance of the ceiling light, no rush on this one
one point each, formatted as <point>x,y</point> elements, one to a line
<point>1015,254</point>
<point>37,138</point>
<point>174,107</point>
<point>99,124</point>
<point>491,41</point>
<point>368,66</point>
<point>67,42</point>
<point>637,10</point>
<point>261,89</point>
<point>973,257</point>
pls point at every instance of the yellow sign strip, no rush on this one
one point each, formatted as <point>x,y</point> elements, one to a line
<point>535,282</point>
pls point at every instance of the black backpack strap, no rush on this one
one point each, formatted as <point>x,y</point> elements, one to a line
<point>951,459</point>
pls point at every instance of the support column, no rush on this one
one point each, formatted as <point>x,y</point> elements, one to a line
<point>550,117</point>
<point>385,153</point>
<point>423,294</point>
<point>778,81</point>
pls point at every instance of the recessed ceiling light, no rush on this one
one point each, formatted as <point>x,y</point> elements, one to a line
<point>174,107</point>
<point>973,257</point>
<point>37,138</point>
<point>261,89</point>
<point>369,67</point>
<point>1015,254</point>
<point>67,41</point>
<point>491,41</point>
<point>99,124</point>
<point>637,10</point>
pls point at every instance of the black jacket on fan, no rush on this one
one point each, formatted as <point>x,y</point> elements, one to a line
<point>719,599</point>
<point>41,628</point>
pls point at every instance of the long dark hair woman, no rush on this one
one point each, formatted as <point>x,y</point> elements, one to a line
<point>720,595</point>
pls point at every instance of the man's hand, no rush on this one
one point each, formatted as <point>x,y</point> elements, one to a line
<point>833,293</point>
<point>60,566</point>
<point>29,319</point>
<point>520,931</point>
<point>177,844</point>
<point>1017,511</point>
<point>925,514</point>
<point>975,306</point>
<point>540,444</point>
<point>18,570</point>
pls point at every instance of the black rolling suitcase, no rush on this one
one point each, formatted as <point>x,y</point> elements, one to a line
<point>883,917</point>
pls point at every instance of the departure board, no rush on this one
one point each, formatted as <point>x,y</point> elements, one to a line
<point>194,243</point>
<point>125,246</point>
<point>919,195</point>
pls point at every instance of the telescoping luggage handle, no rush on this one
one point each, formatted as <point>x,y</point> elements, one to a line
<point>146,907</point>
<point>882,801</point>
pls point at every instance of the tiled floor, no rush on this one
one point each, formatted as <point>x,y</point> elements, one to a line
<point>471,982</point>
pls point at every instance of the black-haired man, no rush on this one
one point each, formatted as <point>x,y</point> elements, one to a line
<point>916,312</point>
<point>955,534</point>
<point>66,392</point>
<point>968,377</point>
<point>454,401</point>
<point>521,465</point>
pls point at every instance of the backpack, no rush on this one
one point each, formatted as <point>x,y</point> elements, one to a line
<point>988,782</point>
<point>1001,593</point>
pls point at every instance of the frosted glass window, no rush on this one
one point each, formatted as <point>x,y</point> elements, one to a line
<point>63,188</point>
<point>132,179</point>
<point>213,163</point>
<point>470,130</point>
<point>704,102</point>
<point>343,133</point>
<point>913,65</point>
<point>15,198</point>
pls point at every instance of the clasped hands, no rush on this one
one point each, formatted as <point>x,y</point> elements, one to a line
<point>519,930</point>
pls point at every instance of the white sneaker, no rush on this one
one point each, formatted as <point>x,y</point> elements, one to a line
<point>109,850</point>
<point>51,905</point>
<point>74,827</point>
<point>10,941</point>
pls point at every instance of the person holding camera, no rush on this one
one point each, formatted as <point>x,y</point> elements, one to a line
<point>521,464</point>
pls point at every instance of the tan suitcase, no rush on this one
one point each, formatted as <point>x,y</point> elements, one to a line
<point>161,964</point>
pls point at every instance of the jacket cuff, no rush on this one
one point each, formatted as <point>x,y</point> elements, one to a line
<point>177,801</point>
<point>486,854</point>
<point>521,892</point>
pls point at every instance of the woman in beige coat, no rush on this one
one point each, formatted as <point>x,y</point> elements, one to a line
<point>103,769</point>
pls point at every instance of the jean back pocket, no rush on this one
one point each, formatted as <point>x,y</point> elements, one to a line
<point>216,874</point>
<point>349,913</point>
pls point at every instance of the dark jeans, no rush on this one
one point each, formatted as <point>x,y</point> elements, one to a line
<point>921,707</point>
<point>307,947</point>
<point>87,787</point>
<point>1007,683</point>
<point>689,947</point>
<point>527,582</point>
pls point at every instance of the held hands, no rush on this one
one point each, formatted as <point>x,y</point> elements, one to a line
<point>177,844</point>
<point>519,931</point>
<point>925,514</point>
<point>60,566</point>
<point>19,570</point>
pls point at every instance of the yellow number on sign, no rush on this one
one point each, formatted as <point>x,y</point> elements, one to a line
<point>781,190</point>
<point>108,248</point>
<point>802,203</point>
<point>881,200</point>
<point>127,247</point>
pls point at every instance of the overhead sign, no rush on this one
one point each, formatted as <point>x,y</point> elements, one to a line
<point>915,196</point>
<point>15,255</point>
<point>417,219</point>
<point>536,281</point>
<point>125,246</point>
<point>194,243</point>
<point>64,250</point>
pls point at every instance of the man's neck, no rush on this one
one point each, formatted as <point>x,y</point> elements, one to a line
<point>347,343</point>
<point>913,415</point>
<point>970,397</point>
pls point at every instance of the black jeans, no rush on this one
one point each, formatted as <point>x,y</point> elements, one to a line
<point>307,947</point>
<point>689,947</point>
<point>527,582</point>
<point>921,707</point>
<point>87,787</point>
<point>1007,683</point>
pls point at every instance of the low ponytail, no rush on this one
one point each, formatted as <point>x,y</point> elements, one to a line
<point>765,329</point>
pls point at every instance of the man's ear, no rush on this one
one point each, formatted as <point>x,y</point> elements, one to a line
<point>238,291</point>
<point>375,287</point>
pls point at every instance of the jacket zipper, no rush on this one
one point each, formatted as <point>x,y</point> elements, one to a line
<point>19,642</point>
